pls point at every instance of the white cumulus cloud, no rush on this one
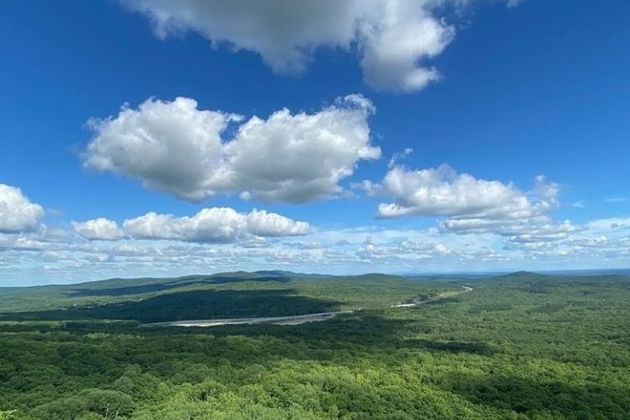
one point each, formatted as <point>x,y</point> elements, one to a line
<point>217,224</point>
<point>99,229</point>
<point>472,205</point>
<point>393,38</point>
<point>444,192</point>
<point>17,212</point>
<point>177,148</point>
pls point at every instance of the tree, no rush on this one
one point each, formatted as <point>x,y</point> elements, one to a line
<point>109,404</point>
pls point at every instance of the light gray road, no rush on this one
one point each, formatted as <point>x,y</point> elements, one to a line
<point>465,289</point>
<point>278,320</point>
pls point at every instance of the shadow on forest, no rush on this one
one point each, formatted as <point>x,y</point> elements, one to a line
<point>348,338</point>
<point>528,395</point>
<point>159,287</point>
<point>199,304</point>
<point>443,301</point>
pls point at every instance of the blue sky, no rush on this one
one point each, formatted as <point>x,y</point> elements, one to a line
<point>528,89</point>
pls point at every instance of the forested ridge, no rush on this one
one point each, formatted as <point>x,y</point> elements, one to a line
<point>517,347</point>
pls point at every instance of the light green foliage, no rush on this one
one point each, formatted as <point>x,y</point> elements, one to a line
<point>517,347</point>
<point>7,415</point>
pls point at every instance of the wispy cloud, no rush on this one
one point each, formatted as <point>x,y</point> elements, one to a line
<point>579,204</point>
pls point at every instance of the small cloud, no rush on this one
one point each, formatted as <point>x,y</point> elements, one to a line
<point>398,156</point>
<point>578,204</point>
<point>17,213</point>
<point>54,212</point>
<point>100,229</point>
<point>616,199</point>
<point>305,245</point>
<point>514,3</point>
<point>255,242</point>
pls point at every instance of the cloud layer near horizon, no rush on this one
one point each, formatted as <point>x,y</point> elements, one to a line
<point>54,255</point>
<point>217,239</point>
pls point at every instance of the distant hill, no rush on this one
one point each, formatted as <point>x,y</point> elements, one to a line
<point>240,293</point>
<point>259,293</point>
<point>525,275</point>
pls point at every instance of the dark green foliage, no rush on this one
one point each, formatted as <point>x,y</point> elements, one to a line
<point>198,304</point>
<point>517,347</point>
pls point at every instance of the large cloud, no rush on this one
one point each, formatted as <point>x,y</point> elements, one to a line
<point>444,192</point>
<point>217,224</point>
<point>177,148</point>
<point>472,205</point>
<point>17,213</point>
<point>393,38</point>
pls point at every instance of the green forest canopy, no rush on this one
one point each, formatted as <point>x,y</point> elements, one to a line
<point>517,347</point>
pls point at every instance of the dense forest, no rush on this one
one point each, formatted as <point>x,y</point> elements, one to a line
<point>522,346</point>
